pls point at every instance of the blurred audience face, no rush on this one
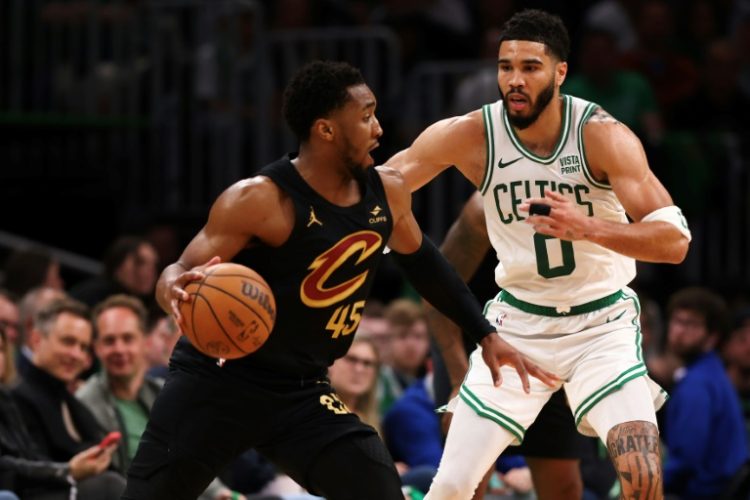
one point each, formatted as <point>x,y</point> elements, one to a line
<point>2,353</point>
<point>688,335</point>
<point>655,24</point>
<point>9,319</point>
<point>31,303</point>
<point>53,278</point>
<point>598,56</point>
<point>355,373</point>
<point>120,344</point>
<point>378,330</point>
<point>63,351</point>
<point>7,371</point>
<point>737,348</point>
<point>722,68</point>
<point>161,340</point>
<point>410,347</point>
<point>138,272</point>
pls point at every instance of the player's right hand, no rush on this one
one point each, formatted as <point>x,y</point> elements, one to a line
<point>496,352</point>
<point>176,288</point>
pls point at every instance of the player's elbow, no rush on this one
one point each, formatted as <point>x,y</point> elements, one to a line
<point>678,251</point>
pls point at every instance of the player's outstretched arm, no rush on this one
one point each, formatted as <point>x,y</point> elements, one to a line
<point>464,247</point>
<point>457,141</point>
<point>436,281</point>
<point>659,232</point>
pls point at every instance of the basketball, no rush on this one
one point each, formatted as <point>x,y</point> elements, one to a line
<point>231,312</point>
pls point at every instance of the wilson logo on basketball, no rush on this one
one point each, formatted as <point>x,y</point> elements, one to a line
<point>315,290</point>
<point>251,291</point>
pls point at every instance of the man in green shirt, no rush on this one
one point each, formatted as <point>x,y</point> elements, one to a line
<point>121,395</point>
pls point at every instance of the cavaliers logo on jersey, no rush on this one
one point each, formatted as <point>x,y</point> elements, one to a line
<point>349,251</point>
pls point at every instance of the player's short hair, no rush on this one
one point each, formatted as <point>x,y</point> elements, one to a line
<point>535,25</point>
<point>316,90</point>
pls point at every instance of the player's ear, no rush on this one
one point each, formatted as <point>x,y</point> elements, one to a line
<point>561,71</point>
<point>324,129</point>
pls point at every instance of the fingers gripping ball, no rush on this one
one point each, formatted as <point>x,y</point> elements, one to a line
<point>231,313</point>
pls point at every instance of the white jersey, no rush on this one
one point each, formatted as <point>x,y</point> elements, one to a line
<point>533,267</point>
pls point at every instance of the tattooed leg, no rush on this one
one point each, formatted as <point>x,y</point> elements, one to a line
<point>634,449</point>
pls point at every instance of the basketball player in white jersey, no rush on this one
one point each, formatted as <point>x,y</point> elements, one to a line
<point>563,271</point>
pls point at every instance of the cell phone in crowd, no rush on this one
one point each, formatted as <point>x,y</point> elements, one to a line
<point>111,438</point>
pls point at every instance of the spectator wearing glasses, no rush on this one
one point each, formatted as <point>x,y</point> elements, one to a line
<point>704,429</point>
<point>355,379</point>
<point>410,346</point>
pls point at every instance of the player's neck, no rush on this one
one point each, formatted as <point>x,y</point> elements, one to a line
<point>541,136</point>
<point>328,177</point>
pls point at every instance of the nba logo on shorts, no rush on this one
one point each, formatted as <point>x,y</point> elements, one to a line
<point>500,318</point>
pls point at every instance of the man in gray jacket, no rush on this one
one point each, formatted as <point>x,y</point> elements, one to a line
<point>122,394</point>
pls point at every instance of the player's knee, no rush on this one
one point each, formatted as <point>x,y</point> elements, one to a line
<point>634,448</point>
<point>451,487</point>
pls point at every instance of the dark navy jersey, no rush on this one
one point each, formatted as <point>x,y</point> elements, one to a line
<point>320,277</point>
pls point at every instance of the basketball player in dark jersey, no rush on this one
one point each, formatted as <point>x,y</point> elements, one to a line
<point>315,228</point>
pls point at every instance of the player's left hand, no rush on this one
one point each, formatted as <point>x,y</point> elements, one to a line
<point>565,220</point>
<point>496,352</point>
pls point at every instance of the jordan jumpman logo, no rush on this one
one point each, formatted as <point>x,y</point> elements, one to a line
<point>313,219</point>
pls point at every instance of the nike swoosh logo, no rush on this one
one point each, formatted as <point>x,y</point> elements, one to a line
<point>500,163</point>
<point>616,317</point>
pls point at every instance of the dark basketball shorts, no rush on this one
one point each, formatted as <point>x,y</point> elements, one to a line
<point>553,434</point>
<point>200,422</point>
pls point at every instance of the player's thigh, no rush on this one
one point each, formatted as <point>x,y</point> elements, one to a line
<point>607,366</point>
<point>356,466</point>
<point>307,426</point>
<point>633,402</point>
<point>195,428</point>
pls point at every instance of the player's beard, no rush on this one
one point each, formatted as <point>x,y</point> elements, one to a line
<point>357,164</point>
<point>539,105</point>
<point>358,170</point>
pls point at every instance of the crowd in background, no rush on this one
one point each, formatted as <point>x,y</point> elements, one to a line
<point>80,361</point>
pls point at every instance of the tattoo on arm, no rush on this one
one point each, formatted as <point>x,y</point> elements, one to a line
<point>634,450</point>
<point>601,116</point>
